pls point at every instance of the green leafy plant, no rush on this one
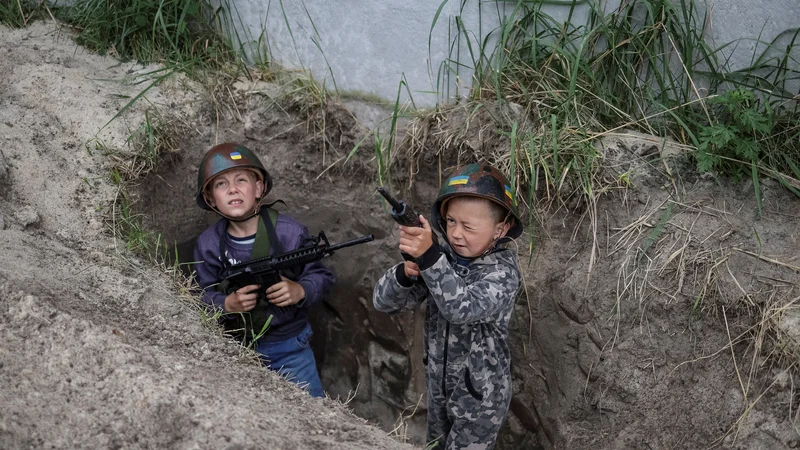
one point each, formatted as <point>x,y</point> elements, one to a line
<point>743,124</point>
<point>177,31</point>
<point>738,142</point>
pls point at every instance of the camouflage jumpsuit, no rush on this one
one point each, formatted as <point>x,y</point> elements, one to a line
<point>467,359</point>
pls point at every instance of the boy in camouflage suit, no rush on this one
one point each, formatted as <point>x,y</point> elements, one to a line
<point>470,282</point>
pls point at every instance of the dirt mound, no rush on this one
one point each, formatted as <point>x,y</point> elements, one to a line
<point>670,339</point>
<point>99,351</point>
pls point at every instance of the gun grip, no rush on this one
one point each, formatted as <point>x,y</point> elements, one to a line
<point>268,281</point>
<point>408,257</point>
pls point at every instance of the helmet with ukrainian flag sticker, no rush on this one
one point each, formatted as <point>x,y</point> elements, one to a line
<point>225,157</point>
<point>478,180</point>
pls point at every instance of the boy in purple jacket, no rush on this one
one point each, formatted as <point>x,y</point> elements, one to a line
<point>231,182</point>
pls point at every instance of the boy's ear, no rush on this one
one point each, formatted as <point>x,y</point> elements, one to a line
<point>502,229</point>
<point>259,188</point>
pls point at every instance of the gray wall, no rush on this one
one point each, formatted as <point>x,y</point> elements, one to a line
<point>367,45</point>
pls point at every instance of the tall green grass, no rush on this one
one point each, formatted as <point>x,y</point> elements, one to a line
<point>181,32</point>
<point>19,13</point>
<point>646,65</point>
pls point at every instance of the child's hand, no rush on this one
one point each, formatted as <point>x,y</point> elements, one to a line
<point>285,293</point>
<point>411,269</point>
<point>242,300</point>
<point>415,240</point>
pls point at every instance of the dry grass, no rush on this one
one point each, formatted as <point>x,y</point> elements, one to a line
<point>400,430</point>
<point>448,136</point>
<point>663,256</point>
<point>326,121</point>
<point>155,141</point>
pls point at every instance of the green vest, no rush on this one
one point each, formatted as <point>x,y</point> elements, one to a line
<point>247,327</point>
<point>262,245</point>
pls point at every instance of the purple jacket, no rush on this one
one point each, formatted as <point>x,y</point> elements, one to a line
<point>315,278</point>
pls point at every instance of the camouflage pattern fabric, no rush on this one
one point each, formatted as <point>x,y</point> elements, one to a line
<point>467,359</point>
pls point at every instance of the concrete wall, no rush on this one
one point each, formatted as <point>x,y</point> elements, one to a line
<point>363,46</point>
<point>367,46</point>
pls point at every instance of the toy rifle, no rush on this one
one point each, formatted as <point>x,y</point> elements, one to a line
<point>401,213</point>
<point>266,272</point>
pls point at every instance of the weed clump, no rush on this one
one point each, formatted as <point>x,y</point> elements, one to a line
<point>176,31</point>
<point>19,13</point>
<point>645,65</point>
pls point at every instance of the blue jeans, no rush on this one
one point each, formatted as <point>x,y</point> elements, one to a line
<point>294,360</point>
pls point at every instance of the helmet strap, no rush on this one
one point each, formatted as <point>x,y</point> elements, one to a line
<point>507,220</point>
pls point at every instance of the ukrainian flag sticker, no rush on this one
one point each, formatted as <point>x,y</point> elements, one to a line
<point>458,180</point>
<point>236,155</point>
<point>509,194</point>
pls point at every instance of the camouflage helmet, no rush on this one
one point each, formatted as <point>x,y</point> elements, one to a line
<point>478,180</point>
<point>225,157</point>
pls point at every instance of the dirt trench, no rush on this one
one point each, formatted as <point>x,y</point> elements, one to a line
<point>364,357</point>
<point>663,339</point>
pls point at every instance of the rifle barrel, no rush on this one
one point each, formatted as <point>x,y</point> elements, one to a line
<point>397,205</point>
<point>350,243</point>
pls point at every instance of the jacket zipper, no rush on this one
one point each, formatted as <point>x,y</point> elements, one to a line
<point>444,368</point>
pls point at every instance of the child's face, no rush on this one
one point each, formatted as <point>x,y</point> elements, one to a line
<point>471,228</point>
<point>234,192</point>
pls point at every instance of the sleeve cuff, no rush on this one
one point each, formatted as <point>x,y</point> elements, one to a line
<point>400,274</point>
<point>429,258</point>
<point>309,290</point>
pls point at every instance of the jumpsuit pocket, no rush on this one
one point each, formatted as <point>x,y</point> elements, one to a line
<point>303,338</point>
<point>470,387</point>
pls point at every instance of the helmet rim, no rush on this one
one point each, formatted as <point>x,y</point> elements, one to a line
<point>222,158</point>
<point>465,181</point>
